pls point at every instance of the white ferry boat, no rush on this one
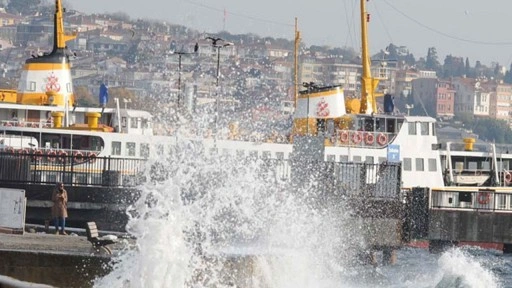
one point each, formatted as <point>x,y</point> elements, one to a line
<point>41,118</point>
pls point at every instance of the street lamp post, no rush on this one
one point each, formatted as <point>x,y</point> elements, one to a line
<point>181,53</point>
<point>218,43</point>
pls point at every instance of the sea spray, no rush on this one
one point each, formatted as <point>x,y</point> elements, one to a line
<point>199,213</point>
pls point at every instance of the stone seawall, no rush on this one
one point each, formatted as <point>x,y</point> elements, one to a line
<point>53,268</point>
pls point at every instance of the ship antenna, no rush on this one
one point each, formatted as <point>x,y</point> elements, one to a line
<point>296,64</point>
<point>368,83</point>
<point>59,35</point>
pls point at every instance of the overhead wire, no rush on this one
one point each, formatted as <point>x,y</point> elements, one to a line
<point>240,14</point>
<point>446,34</point>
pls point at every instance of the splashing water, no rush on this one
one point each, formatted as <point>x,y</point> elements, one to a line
<point>460,269</point>
<point>218,221</point>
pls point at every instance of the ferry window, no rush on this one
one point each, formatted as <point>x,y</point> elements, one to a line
<point>344,158</point>
<point>123,122</point>
<point>369,160</point>
<point>214,151</point>
<point>134,123</point>
<point>399,124</point>
<point>356,159</point>
<point>280,155</point>
<point>266,155</point>
<point>382,159</point>
<point>160,149</point>
<point>31,86</point>
<point>407,164</point>
<point>331,158</point>
<point>144,150</point>
<point>240,153</point>
<point>501,200</point>
<point>145,123</point>
<point>424,128</point>
<point>130,147</point>
<point>390,127</point>
<point>433,129</point>
<point>253,154</point>
<point>420,165</point>
<point>432,165</point>
<point>412,128</point>
<point>68,88</point>
<point>116,148</point>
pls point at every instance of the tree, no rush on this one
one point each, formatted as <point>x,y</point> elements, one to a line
<point>84,97</point>
<point>432,62</point>
<point>508,76</point>
<point>23,7</point>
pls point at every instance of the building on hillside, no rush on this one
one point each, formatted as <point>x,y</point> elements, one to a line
<point>501,101</point>
<point>403,82</point>
<point>471,99</point>
<point>435,96</point>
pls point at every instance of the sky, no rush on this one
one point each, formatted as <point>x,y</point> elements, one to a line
<point>479,30</point>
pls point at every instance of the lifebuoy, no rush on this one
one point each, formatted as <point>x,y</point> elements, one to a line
<point>62,155</point>
<point>22,151</point>
<point>78,157</point>
<point>8,124</point>
<point>357,138</point>
<point>53,156</point>
<point>382,139</point>
<point>344,136</point>
<point>34,125</point>
<point>92,157</point>
<point>10,150</point>
<point>369,138</point>
<point>484,198</point>
<point>508,177</point>
<point>38,155</point>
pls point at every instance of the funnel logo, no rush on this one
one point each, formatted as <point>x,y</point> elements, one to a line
<point>322,108</point>
<point>52,83</point>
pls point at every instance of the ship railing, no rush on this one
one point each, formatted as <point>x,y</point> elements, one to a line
<point>29,124</point>
<point>87,171</point>
<point>471,200</point>
<point>366,139</point>
<point>347,179</point>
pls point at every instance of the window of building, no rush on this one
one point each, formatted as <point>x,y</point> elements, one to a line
<point>432,165</point>
<point>412,128</point>
<point>420,165</point>
<point>130,147</point>
<point>407,164</point>
<point>356,158</point>
<point>116,148</point>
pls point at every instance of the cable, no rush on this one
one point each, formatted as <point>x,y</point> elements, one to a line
<point>445,34</point>
<point>240,15</point>
<point>383,22</point>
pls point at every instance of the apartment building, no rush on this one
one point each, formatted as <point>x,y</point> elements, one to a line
<point>471,98</point>
<point>435,96</point>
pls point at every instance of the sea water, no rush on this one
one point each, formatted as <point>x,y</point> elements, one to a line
<point>217,221</point>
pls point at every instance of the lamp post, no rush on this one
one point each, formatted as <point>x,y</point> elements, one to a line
<point>181,53</point>
<point>218,43</point>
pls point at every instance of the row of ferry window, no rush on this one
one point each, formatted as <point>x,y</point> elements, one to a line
<point>130,149</point>
<point>426,128</point>
<point>407,163</point>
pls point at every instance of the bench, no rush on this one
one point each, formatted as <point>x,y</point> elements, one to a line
<point>97,242</point>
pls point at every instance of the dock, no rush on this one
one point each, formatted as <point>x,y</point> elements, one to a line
<point>55,260</point>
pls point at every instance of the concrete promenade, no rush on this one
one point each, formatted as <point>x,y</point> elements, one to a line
<point>55,260</point>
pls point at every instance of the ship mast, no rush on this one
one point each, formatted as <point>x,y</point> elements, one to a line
<point>296,65</point>
<point>59,35</point>
<point>368,83</point>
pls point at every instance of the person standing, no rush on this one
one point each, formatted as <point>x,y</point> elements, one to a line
<point>60,208</point>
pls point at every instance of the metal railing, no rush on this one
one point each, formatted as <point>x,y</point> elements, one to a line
<point>84,170</point>
<point>479,200</point>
